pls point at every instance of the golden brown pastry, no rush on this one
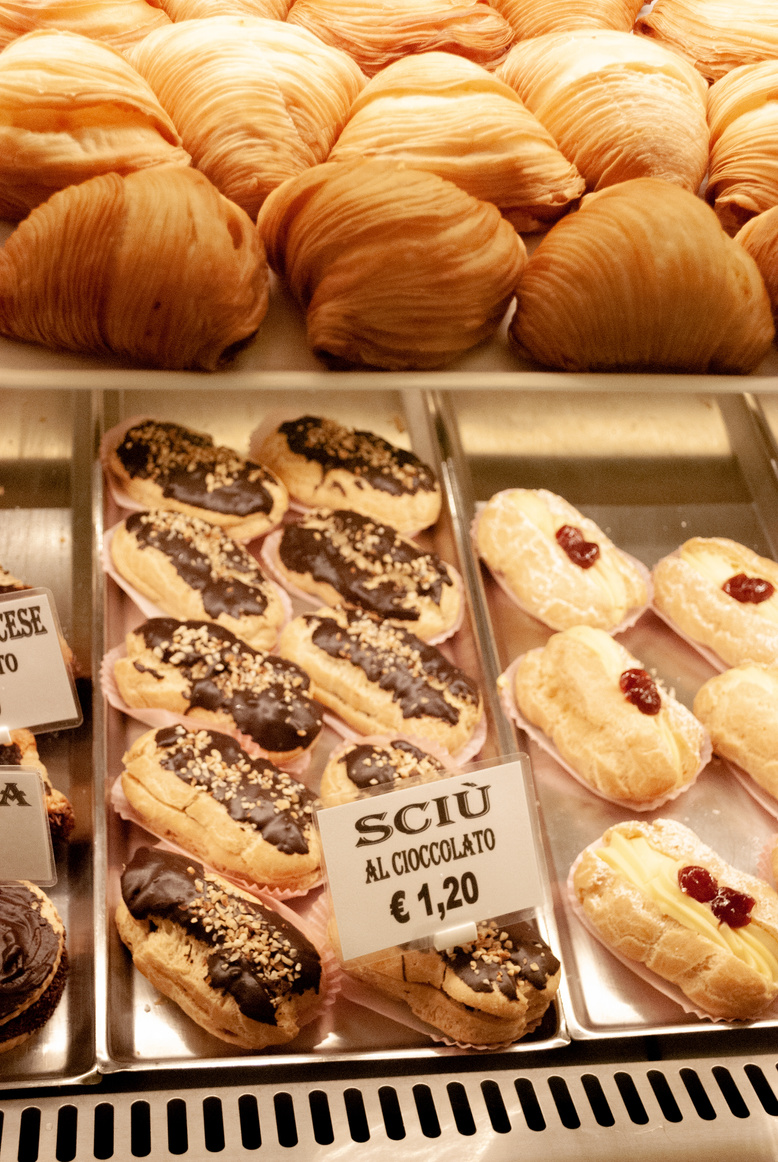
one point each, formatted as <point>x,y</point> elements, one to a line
<point>624,735</point>
<point>715,35</point>
<point>324,464</point>
<point>659,896</point>
<point>642,278</point>
<point>241,815</point>
<point>491,991</point>
<point>759,237</point>
<point>197,9</point>
<point>743,119</point>
<point>529,18</point>
<point>722,595</point>
<point>256,101</point>
<point>33,961</point>
<point>419,110</point>
<point>579,84</point>
<point>165,465</point>
<point>22,751</point>
<point>559,565</point>
<point>376,38</point>
<point>119,23</point>
<point>108,266</point>
<point>191,568</point>
<point>226,958</point>
<point>72,108</point>
<point>739,709</point>
<point>379,678</point>
<point>358,766</point>
<point>394,267</point>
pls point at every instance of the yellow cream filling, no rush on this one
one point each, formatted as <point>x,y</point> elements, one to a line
<point>656,875</point>
<point>718,567</point>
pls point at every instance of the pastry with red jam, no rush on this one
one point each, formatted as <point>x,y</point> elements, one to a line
<point>658,896</point>
<point>556,563</point>
<point>723,597</point>
<point>620,731</point>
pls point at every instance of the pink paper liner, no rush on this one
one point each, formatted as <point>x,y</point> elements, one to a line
<point>150,609</point>
<point>269,559</point>
<point>127,812</point>
<point>464,755</point>
<point>157,718</point>
<point>671,991</point>
<point>631,619</point>
<point>505,686</point>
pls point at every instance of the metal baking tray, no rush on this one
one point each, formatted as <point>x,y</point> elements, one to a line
<point>138,1030</point>
<point>651,472</point>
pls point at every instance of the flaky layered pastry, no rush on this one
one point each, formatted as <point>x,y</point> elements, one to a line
<point>715,35</point>
<point>624,735</point>
<point>743,119</point>
<point>739,708</point>
<point>156,267</point>
<point>628,886</point>
<point>722,595</point>
<point>394,267</point>
<point>72,108</point>
<point>529,18</point>
<point>256,101</point>
<point>439,112</point>
<point>375,38</point>
<point>579,85</point>
<point>120,23</point>
<point>642,277</point>
<point>759,237</point>
<point>198,9</point>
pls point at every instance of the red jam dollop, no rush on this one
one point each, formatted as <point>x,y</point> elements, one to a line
<point>727,904</point>
<point>639,688</point>
<point>582,553</point>
<point>748,590</point>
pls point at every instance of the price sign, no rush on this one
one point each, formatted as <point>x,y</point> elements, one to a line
<point>25,840</point>
<point>36,689</point>
<point>430,858</point>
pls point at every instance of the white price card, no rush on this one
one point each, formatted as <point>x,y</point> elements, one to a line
<point>433,857</point>
<point>26,851</point>
<point>36,688</point>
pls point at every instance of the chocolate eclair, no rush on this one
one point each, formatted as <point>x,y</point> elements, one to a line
<point>324,464</point>
<point>241,815</point>
<point>380,678</point>
<point>192,569</point>
<point>347,558</point>
<point>33,961</point>
<point>166,465</point>
<point>201,670</point>
<point>232,963</point>
<point>358,766</point>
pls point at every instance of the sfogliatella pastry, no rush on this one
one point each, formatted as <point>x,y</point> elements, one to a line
<point>358,766</point>
<point>241,815</point>
<point>743,118</point>
<point>721,595</point>
<point>119,23</point>
<point>739,709</point>
<point>235,966</point>
<point>380,678</point>
<point>559,565</point>
<point>759,237</point>
<point>578,84</point>
<point>624,735</point>
<point>22,751</point>
<point>642,278</point>
<point>255,100</point>
<point>715,35</point>
<point>345,558</point>
<point>166,465</point>
<point>140,289</point>
<point>197,9</point>
<point>201,670</point>
<point>491,991</point>
<point>531,18</point>
<point>395,268</point>
<point>324,464</point>
<point>417,111</point>
<point>657,895</point>
<point>190,568</point>
<point>33,961</point>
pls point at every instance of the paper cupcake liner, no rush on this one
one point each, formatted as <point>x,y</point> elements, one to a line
<point>505,686</point>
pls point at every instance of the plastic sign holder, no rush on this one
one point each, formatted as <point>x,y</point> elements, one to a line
<point>422,862</point>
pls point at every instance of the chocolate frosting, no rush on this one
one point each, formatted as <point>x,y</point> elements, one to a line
<point>257,956</point>
<point>494,963</point>
<point>191,469</point>
<point>28,946</point>
<point>370,765</point>
<point>254,791</point>
<point>367,456</point>
<point>10,755</point>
